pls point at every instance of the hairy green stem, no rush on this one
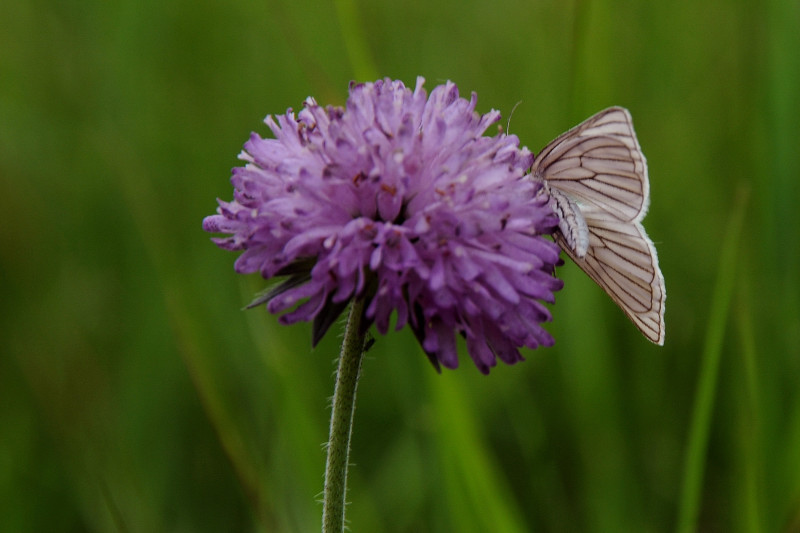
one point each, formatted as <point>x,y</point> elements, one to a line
<point>344,404</point>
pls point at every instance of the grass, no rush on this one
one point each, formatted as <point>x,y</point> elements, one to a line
<point>137,396</point>
<point>705,395</point>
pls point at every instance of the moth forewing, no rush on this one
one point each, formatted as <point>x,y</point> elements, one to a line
<point>596,175</point>
<point>599,162</point>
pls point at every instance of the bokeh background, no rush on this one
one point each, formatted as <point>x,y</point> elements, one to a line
<point>136,395</point>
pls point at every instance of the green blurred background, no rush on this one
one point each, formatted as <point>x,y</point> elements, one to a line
<point>136,395</point>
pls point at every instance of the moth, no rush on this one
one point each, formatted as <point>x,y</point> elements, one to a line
<point>596,177</point>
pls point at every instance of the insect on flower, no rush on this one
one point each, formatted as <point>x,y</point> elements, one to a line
<point>398,199</point>
<point>596,176</point>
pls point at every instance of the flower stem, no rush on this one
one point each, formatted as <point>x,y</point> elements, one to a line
<point>344,404</point>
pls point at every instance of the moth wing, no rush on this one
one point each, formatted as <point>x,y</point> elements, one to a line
<point>621,259</point>
<point>599,162</point>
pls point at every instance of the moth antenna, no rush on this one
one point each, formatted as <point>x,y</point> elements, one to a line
<point>508,124</point>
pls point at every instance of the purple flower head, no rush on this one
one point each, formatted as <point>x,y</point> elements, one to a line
<point>399,199</point>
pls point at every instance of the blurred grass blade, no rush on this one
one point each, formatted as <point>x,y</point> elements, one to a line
<point>355,41</point>
<point>694,463</point>
<point>479,497</point>
<point>191,340</point>
<point>750,461</point>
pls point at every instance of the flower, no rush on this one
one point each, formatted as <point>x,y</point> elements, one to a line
<point>399,199</point>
